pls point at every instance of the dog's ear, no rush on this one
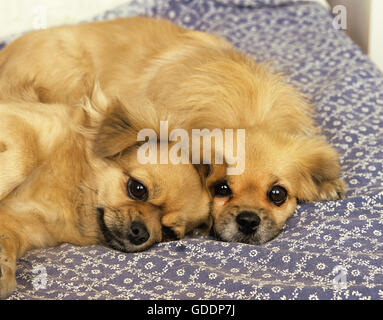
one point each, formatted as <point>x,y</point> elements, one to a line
<point>204,171</point>
<point>115,133</point>
<point>319,169</point>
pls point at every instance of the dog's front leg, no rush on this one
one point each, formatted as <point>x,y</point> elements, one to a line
<point>18,148</point>
<point>12,245</point>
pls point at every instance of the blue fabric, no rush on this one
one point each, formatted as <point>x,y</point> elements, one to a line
<point>327,250</point>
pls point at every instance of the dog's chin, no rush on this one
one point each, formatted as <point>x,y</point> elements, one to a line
<point>114,241</point>
<point>229,232</point>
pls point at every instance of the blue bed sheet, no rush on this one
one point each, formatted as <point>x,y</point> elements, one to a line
<point>327,250</point>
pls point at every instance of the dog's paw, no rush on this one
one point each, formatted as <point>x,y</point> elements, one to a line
<point>7,280</point>
<point>168,234</point>
<point>172,228</point>
<point>332,190</point>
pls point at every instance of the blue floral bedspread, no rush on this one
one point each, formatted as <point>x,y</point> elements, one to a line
<point>328,250</point>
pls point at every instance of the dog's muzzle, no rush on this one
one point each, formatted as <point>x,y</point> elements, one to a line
<point>130,240</point>
<point>138,233</point>
<point>248,222</point>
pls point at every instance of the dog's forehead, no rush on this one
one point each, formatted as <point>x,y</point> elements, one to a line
<point>261,170</point>
<point>251,181</point>
<point>175,177</point>
<point>269,152</point>
<point>164,178</point>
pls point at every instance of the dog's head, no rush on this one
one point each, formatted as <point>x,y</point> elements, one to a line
<point>213,86</point>
<point>280,170</point>
<point>139,204</point>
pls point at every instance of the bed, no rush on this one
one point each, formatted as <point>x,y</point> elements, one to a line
<point>327,250</point>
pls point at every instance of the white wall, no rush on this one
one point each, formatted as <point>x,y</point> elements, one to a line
<point>375,48</point>
<point>23,15</point>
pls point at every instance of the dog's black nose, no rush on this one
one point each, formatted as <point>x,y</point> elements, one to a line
<point>248,222</point>
<point>138,234</point>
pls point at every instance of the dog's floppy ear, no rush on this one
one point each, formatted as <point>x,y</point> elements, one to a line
<point>319,169</point>
<point>115,133</point>
<point>204,171</point>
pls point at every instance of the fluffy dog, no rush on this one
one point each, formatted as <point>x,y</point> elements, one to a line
<point>197,80</point>
<point>59,183</point>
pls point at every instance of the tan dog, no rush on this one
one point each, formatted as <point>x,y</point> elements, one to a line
<point>57,184</point>
<point>198,81</point>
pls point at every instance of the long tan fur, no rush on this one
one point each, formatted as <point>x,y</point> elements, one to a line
<point>57,186</point>
<point>195,80</point>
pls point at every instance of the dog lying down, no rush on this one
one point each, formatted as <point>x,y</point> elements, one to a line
<point>57,186</point>
<point>201,81</point>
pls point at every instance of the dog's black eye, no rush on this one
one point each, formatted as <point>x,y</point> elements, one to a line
<point>277,195</point>
<point>221,189</point>
<point>136,190</point>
